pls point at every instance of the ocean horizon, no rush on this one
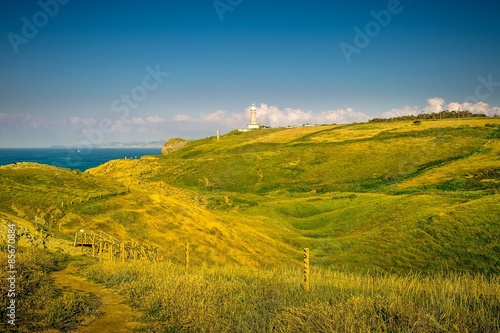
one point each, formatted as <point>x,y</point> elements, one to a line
<point>72,158</point>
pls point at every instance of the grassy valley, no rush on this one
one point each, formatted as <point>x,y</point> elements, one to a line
<point>385,196</point>
<point>401,221</point>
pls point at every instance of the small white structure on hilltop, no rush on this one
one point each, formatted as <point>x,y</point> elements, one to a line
<point>253,118</point>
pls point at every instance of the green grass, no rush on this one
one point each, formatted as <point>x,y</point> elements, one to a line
<point>307,164</point>
<point>40,305</point>
<point>31,187</point>
<point>401,221</point>
<point>360,196</point>
<point>232,299</point>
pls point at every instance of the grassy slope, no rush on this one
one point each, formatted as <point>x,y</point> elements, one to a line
<point>390,196</point>
<point>393,195</point>
<point>164,216</point>
<point>224,298</point>
<point>360,157</point>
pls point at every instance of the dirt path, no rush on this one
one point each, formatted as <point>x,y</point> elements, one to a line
<point>117,316</point>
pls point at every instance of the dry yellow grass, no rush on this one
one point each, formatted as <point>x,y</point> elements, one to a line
<point>287,135</point>
<point>234,299</point>
<point>462,167</point>
<point>369,130</point>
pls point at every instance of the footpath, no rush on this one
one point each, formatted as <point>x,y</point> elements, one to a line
<point>116,316</point>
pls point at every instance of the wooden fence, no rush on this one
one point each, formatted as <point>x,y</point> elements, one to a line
<point>107,246</point>
<point>102,243</point>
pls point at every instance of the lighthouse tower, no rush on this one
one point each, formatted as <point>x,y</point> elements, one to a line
<point>253,118</point>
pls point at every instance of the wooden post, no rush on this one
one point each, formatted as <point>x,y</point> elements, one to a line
<point>101,248</point>
<point>111,252</point>
<point>81,243</point>
<point>76,239</point>
<point>123,251</point>
<point>186,253</point>
<point>306,268</point>
<point>134,250</point>
<point>93,247</point>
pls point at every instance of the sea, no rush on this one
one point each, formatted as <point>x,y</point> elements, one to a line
<point>72,158</point>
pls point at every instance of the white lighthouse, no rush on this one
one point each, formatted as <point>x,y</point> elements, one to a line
<point>253,118</point>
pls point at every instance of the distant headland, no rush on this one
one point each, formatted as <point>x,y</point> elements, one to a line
<point>132,144</point>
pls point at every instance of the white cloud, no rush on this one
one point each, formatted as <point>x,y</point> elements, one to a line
<point>219,117</point>
<point>155,119</point>
<point>275,117</point>
<point>73,129</point>
<point>216,117</point>
<point>135,121</point>
<point>480,107</point>
<point>24,120</point>
<point>434,104</point>
<point>137,124</point>
<point>405,111</point>
<point>438,104</point>
<point>86,122</point>
<point>341,116</point>
<point>183,117</point>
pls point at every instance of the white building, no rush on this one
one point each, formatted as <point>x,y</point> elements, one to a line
<point>253,118</point>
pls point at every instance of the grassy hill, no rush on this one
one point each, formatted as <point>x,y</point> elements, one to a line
<point>369,200</point>
<point>374,196</point>
<point>61,202</point>
<point>390,196</point>
<point>360,157</point>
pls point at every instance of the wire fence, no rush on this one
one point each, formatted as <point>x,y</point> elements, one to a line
<point>310,273</point>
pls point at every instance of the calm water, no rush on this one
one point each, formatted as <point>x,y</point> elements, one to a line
<point>70,157</point>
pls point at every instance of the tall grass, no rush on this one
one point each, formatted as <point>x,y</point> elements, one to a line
<point>233,299</point>
<point>40,304</point>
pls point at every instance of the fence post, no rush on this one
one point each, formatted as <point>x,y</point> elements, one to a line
<point>93,247</point>
<point>111,252</point>
<point>306,268</point>
<point>101,248</point>
<point>186,250</point>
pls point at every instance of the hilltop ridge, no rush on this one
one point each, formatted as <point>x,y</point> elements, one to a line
<point>371,196</point>
<point>387,195</point>
<point>356,157</point>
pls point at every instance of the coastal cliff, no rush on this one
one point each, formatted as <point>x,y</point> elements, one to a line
<point>173,144</point>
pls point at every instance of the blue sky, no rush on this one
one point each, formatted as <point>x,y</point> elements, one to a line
<point>74,72</point>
